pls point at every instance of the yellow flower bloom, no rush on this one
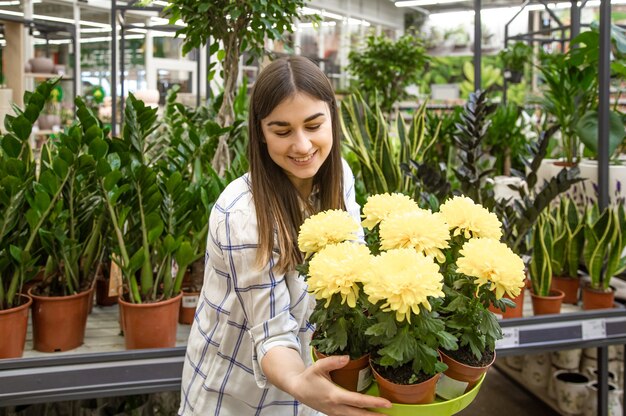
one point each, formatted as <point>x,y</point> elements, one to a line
<point>379,207</point>
<point>421,230</point>
<point>328,227</point>
<point>404,279</point>
<point>494,264</point>
<point>337,269</point>
<point>471,219</point>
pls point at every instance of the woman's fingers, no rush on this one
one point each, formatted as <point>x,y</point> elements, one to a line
<point>363,400</point>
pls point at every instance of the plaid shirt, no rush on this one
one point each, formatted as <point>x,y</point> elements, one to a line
<point>242,313</point>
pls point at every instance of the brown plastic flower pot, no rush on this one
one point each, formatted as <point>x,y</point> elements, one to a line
<point>354,376</point>
<point>420,393</point>
<point>515,312</point>
<point>150,325</point>
<point>598,299</point>
<point>13,324</point>
<point>188,307</point>
<point>545,305</point>
<point>569,286</point>
<point>465,373</point>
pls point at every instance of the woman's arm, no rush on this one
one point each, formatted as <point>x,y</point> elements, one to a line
<point>285,369</point>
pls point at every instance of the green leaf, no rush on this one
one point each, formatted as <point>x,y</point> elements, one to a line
<point>185,255</point>
<point>22,127</point>
<point>11,145</point>
<point>98,148</point>
<point>587,129</point>
<point>16,253</point>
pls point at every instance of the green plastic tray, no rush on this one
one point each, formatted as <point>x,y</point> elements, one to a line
<point>437,408</point>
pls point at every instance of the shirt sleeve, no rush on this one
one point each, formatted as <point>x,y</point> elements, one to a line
<point>263,294</point>
<point>349,192</point>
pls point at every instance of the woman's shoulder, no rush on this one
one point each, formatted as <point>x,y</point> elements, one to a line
<point>236,197</point>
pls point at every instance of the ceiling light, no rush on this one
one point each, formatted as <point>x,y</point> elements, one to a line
<point>412,3</point>
<point>56,19</point>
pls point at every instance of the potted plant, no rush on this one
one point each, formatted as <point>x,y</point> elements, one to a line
<point>478,271</point>
<point>147,207</point>
<point>72,238</point>
<point>405,291</point>
<point>603,254</point>
<point>568,240</point>
<point>545,299</point>
<point>335,268</point>
<point>514,59</point>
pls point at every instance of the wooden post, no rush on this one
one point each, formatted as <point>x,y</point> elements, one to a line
<point>13,60</point>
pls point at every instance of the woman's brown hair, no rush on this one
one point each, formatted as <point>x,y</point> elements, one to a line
<point>277,202</point>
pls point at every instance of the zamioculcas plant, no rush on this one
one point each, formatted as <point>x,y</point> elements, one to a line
<point>148,206</point>
<point>21,193</point>
<point>604,245</point>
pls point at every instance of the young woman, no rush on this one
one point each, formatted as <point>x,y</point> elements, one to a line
<point>248,351</point>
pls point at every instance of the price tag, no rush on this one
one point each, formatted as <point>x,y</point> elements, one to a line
<point>594,329</point>
<point>510,338</point>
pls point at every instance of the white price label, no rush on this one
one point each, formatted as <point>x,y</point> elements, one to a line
<point>449,388</point>
<point>190,301</point>
<point>510,338</point>
<point>594,329</point>
<point>365,379</point>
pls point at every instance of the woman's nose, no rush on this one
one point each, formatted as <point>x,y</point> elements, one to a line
<point>302,143</point>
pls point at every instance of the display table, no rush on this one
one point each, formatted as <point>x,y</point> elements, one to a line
<point>103,368</point>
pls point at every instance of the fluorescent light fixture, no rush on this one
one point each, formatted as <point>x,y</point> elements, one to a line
<point>413,3</point>
<point>308,10</point>
<point>56,19</point>
<point>310,24</point>
<point>332,15</point>
<point>160,3</point>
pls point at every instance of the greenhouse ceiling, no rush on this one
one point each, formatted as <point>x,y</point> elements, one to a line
<point>439,6</point>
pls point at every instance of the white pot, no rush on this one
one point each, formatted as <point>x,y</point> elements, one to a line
<point>536,370</point>
<point>501,188</point>
<point>593,352</point>
<point>551,385</point>
<point>516,362</point>
<point>592,373</point>
<point>571,392</point>
<point>567,359</point>
<point>615,400</point>
<point>617,180</point>
<point>41,65</point>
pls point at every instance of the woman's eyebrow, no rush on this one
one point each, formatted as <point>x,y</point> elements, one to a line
<point>284,123</point>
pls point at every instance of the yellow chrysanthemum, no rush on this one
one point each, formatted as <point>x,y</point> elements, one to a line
<point>378,207</point>
<point>327,227</point>
<point>337,269</point>
<point>421,230</point>
<point>404,279</point>
<point>494,264</point>
<point>471,219</point>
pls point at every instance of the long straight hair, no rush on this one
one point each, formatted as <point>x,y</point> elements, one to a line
<point>278,204</point>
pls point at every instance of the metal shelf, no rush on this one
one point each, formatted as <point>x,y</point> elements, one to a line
<point>102,368</point>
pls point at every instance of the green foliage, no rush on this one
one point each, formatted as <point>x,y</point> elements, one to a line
<point>516,56</point>
<point>604,244</point>
<point>20,193</point>
<point>379,154</point>
<point>568,238</point>
<point>387,67</point>
<point>541,258</point>
<point>340,329</point>
<point>506,137</point>
<point>415,342</point>
<point>491,76</point>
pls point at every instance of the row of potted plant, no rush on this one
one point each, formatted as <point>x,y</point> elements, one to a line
<point>412,304</point>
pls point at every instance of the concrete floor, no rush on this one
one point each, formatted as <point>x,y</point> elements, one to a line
<point>500,396</point>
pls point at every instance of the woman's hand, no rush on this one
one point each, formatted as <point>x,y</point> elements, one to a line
<point>312,386</point>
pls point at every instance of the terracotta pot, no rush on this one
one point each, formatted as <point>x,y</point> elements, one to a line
<point>569,286</point>
<point>13,324</point>
<point>468,375</point>
<point>188,307</point>
<point>597,299</point>
<point>515,312</point>
<point>150,325</point>
<point>544,305</point>
<point>59,321</point>
<point>354,376</point>
<point>102,292</point>
<point>420,393</point>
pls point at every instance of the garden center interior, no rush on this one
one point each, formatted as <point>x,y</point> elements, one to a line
<point>516,104</point>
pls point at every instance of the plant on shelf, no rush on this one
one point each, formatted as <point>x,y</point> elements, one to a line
<point>379,157</point>
<point>545,299</point>
<point>514,59</point>
<point>18,232</point>
<point>567,245</point>
<point>506,137</point>
<point>603,252</point>
<point>335,268</point>
<point>384,68</point>
<point>20,193</point>
<point>223,27</point>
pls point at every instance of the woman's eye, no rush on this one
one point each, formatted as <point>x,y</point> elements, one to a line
<point>282,133</point>
<point>314,127</point>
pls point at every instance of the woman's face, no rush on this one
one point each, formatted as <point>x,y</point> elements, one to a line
<point>299,137</point>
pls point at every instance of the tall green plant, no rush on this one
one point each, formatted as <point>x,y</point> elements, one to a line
<point>568,238</point>
<point>230,28</point>
<point>25,203</point>
<point>541,258</point>
<point>604,244</point>
<point>387,67</point>
<point>380,154</point>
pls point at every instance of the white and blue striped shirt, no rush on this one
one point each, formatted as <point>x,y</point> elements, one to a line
<point>242,313</point>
